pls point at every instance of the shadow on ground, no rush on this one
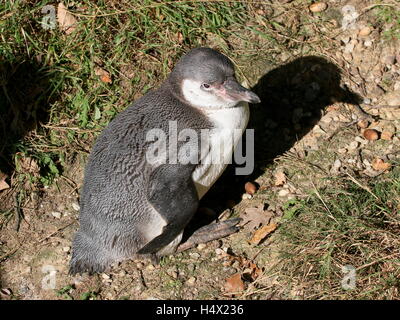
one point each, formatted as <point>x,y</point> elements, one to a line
<point>293,98</point>
<point>27,90</point>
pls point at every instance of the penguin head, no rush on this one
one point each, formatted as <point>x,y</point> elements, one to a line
<point>205,78</point>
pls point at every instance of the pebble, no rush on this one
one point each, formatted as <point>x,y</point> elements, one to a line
<point>194,255</point>
<point>150,267</point>
<point>363,123</point>
<point>246,196</point>
<point>56,214</point>
<point>336,166</point>
<point>318,7</point>
<point>201,246</point>
<point>366,163</point>
<point>191,281</point>
<point>388,59</point>
<point>365,31</point>
<point>75,206</point>
<point>105,276</point>
<point>283,193</point>
<point>393,98</point>
<point>354,145</point>
<point>342,150</point>
<point>66,249</point>
<point>367,43</point>
<point>219,251</point>
<point>386,135</point>
<point>139,265</point>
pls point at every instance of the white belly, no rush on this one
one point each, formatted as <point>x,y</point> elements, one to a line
<point>229,125</point>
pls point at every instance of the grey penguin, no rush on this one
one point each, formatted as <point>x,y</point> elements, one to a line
<point>131,207</point>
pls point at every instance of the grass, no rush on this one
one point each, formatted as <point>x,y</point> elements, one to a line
<point>53,105</point>
<point>346,225</point>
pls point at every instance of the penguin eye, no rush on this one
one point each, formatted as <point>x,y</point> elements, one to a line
<point>206,86</point>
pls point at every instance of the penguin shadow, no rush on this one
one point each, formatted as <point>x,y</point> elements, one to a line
<point>27,90</point>
<point>293,97</point>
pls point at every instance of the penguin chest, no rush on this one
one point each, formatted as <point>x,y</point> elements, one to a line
<point>219,144</point>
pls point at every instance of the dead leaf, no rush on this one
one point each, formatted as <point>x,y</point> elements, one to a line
<point>256,216</point>
<point>66,21</point>
<point>252,272</point>
<point>380,165</point>
<point>280,178</point>
<point>234,284</point>
<point>3,184</point>
<point>103,74</point>
<point>261,233</point>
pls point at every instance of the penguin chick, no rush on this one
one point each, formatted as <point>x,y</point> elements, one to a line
<point>132,207</point>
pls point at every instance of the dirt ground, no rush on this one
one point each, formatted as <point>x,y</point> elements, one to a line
<point>311,125</point>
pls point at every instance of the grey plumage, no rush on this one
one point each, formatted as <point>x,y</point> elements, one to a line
<point>124,197</point>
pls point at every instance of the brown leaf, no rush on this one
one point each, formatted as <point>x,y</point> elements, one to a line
<point>252,271</point>
<point>280,178</point>
<point>256,216</point>
<point>3,184</point>
<point>261,233</point>
<point>103,74</point>
<point>66,21</point>
<point>234,284</point>
<point>380,165</point>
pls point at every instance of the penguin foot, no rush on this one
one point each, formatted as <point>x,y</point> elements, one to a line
<point>210,232</point>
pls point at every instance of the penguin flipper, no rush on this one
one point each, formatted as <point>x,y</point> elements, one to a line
<point>171,191</point>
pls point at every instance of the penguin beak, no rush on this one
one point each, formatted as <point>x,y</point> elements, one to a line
<point>233,91</point>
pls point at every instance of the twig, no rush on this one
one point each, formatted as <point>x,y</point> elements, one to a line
<point>361,186</point>
<point>55,232</point>
<point>323,202</point>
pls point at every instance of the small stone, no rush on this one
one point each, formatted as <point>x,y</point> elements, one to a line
<point>367,43</point>
<point>342,150</point>
<point>283,193</point>
<point>56,214</point>
<point>365,31</point>
<point>336,166</point>
<point>363,123</point>
<point>219,251</point>
<point>318,7</point>
<point>201,246</point>
<point>191,281</point>
<point>75,206</point>
<point>317,129</point>
<point>150,267</point>
<point>105,276</point>
<point>367,101</point>
<point>388,59</point>
<point>122,273</point>
<point>349,47</point>
<point>353,145</point>
<point>393,98</point>
<point>386,135</point>
<point>139,265</point>
<point>66,249</point>
<point>360,140</point>
<point>246,196</point>
<point>194,255</point>
<point>366,163</point>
